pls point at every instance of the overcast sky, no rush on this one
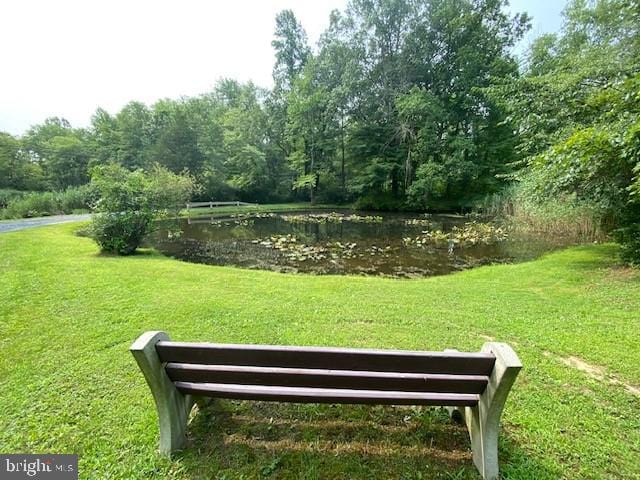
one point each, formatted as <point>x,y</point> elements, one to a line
<point>67,57</point>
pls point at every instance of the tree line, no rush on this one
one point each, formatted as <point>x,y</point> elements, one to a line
<point>390,109</point>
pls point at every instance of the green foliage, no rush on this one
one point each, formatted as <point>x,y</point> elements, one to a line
<point>38,204</point>
<point>167,192</point>
<point>308,181</point>
<point>420,101</point>
<point>629,237</point>
<point>431,182</point>
<point>129,201</point>
<point>578,111</point>
<point>17,169</point>
<point>63,153</point>
<point>121,233</point>
<point>379,201</point>
<point>243,124</point>
<point>291,46</point>
<point>559,216</point>
<point>7,195</point>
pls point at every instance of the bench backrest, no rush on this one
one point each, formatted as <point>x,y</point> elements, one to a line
<point>316,367</point>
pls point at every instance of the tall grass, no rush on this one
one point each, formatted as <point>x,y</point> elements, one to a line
<point>564,217</point>
<point>37,204</point>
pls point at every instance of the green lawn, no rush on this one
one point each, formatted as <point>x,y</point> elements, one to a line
<point>270,207</point>
<point>68,383</point>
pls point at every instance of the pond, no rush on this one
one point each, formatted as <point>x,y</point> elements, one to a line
<point>345,242</point>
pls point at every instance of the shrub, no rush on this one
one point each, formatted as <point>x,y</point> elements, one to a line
<point>380,201</point>
<point>37,204</point>
<point>73,199</point>
<point>120,233</point>
<point>130,201</point>
<point>629,238</point>
<point>8,195</point>
<point>629,234</point>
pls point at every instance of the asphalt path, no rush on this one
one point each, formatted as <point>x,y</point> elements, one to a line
<point>22,223</point>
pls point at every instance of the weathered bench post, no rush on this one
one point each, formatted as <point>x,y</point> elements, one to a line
<point>483,421</point>
<point>173,407</point>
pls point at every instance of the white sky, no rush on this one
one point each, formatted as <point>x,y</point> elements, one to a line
<point>67,57</point>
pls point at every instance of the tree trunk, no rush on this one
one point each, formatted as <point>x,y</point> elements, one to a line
<point>311,171</point>
<point>342,171</point>
<point>394,182</point>
<point>407,170</point>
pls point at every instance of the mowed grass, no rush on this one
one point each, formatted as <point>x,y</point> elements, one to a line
<point>68,383</point>
<point>259,208</point>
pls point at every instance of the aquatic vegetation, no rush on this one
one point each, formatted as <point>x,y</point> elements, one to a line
<point>244,223</point>
<point>339,250</point>
<point>332,217</point>
<point>418,222</point>
<point>281,242</point>
<point>471,233</point>
<point>478,232</point>
<point>314,218</point>
<point>253,215</point>
<point>374,250</point>
<point>174,234</point>
<point>289,246</point>
<point>334,251</point>
<point>236,221</point>
<point>363,219</point>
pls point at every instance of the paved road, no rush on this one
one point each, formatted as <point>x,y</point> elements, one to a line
<point>12,225</point>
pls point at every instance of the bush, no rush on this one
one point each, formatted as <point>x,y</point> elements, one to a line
<point>8,195</point>
<point>629,238</point>
<point>629,234</point>
<point>379,201</point>
<point>130,201</point>
<point>120,233</point>
<point>38,204</point>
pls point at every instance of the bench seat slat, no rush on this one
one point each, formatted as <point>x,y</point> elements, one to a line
<point>454,363</point>
<point>324,395</point>
<point>323,378</point>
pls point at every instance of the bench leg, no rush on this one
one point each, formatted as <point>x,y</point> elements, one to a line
<point>483,421</point>
<point>484,442</point>
<point>173,407</point>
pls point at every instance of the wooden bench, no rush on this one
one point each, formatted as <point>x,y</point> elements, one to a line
<point>476,384</point>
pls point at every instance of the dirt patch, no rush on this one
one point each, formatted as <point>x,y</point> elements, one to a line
<point>595,372</point>
<point>622,273</point>
<point>340,448</point>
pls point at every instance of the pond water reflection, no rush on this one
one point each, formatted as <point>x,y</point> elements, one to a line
<point>343,242</point>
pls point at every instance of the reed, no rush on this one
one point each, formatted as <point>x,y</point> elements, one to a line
<point>563,217</point>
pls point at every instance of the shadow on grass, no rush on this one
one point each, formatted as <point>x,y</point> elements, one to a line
<point>146,253</point>
<point>594,257</point>
<point>271,440</point>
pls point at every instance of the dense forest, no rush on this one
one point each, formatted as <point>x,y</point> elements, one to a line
<point>402,104</point>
